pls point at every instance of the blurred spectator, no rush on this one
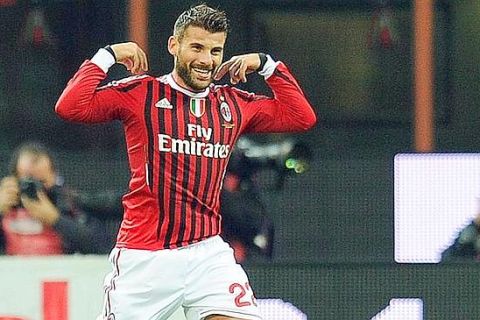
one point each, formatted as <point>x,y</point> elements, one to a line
<point>466,246</point>
<point>38,215</point>
<point>246,222</point>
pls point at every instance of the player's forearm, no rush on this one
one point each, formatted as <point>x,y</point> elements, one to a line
<point>294,110</point>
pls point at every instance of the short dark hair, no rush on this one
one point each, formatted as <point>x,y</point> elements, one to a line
<point>36,148</point>
<point>208,18</point>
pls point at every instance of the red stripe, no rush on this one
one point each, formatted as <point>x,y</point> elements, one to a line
<point>191,187</point>
<point>155,111</point>
<point>195,181</point>
<point>159,161</point>
<point>181,158</point>
<point>230,137</point>
<point>172,178</point>
<point>206,174</point>
<point>218,164</point>
<point>227,133</point>
<point>209,227</point>
<point>189,167</point>
<point>165,194</point>
<point>188,209</point>
<point>55,300</point>
<point>198,215</point>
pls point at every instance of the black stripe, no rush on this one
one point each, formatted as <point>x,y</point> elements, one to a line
<point>186,172</point>
<point>148,123</point>
<point>161,161</point>
<point>173,180</point>
<point>206,190</point>
<point>129,87</point>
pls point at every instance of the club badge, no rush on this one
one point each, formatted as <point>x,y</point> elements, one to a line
<point>197,107</point>
<point>225,111</point>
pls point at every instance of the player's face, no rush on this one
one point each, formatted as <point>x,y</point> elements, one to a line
<point>197,55</point>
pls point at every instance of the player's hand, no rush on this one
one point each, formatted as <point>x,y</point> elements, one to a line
<point>42,208</point>
<point>238,67</point>
<point>131,56</point>
<point>9,194</point>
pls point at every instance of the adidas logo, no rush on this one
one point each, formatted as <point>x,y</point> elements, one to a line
<point>164,104</point>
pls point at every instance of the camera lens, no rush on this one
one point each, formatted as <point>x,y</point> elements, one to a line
<point>29,187</point>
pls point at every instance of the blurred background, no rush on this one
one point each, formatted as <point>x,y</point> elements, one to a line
<point>333,245</point>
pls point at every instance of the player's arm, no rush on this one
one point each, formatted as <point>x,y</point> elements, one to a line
<point>81,100</point>
<point>288,110</point>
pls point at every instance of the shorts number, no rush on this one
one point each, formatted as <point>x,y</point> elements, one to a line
<point>240,299</point>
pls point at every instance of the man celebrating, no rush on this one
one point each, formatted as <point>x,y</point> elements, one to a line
<point>180,130</point>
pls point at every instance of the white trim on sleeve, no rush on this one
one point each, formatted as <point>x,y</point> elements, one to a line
<point>269,67</point>
<point>103,59</point>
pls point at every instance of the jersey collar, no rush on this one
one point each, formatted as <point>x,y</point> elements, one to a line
<point>169,80</point>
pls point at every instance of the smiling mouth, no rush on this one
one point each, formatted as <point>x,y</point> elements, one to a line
<point>205,74</point>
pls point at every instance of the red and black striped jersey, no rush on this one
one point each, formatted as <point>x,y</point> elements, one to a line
<point>179,144</point>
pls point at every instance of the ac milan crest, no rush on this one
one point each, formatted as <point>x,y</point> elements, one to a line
<point>225,111</point>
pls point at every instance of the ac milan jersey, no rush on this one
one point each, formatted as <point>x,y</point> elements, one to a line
<point>179,143</point>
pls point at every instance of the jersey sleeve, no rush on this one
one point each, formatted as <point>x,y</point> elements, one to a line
<point>84,101</point>
<point>287,111</point>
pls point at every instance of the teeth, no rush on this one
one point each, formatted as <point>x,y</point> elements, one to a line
<point>202,71</point>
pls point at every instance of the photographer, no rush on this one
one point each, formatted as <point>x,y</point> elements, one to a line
<point>38,215</point>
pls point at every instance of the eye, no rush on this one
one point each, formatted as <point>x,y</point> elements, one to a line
<point>216,52</point>
<point>196,48</point>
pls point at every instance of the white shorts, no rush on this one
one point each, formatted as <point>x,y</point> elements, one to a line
<point>203,278</point>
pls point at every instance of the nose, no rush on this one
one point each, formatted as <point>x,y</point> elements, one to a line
<point>205,58</point>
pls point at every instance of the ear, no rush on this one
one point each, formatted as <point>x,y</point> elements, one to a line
<point>173,45</point>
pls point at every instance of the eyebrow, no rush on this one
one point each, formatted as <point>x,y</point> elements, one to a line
<point>195,44</point>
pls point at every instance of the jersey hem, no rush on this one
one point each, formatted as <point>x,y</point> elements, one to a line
<point>126,245</point>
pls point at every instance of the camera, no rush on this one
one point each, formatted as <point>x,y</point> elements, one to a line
<point>30,187</point>
<point>282,158</point>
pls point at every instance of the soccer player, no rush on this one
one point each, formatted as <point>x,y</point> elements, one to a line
<point>180,130</point>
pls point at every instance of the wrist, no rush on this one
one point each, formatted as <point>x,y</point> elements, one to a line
<point>269,67</point>
<point>263,60</point>
<point>103,59</point>
<point>110,50</point>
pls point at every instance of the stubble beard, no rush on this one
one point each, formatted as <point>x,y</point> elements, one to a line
<point>185,73</point>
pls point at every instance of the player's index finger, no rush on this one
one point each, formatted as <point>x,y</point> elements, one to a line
<point>136,62</point>
<point>145,61</point>
<point>223,69</point>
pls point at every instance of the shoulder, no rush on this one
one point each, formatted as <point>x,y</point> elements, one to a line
<point>128,83</point>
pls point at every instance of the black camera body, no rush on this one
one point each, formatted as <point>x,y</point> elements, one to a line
<point>30,187</point>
